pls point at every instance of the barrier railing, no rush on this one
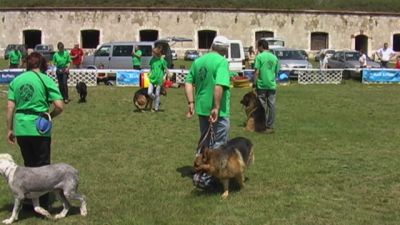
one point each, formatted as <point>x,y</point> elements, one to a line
<point>319,76</point>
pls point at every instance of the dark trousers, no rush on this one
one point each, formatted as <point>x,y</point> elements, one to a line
<point>13,66</point>
<point>36,152</point>
<point>136,67</point>
<point>62,78</point>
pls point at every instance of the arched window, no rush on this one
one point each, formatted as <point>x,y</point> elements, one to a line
<point>90,38</point>
<point>361,43</point>
<point>396,42</point>
<point>319,40</point>
<point>32,37</point>
<point>205,38</point>
<point>263,34</point>
<point>148,35</point>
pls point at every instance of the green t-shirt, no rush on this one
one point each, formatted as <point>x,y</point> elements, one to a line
<point>136,59</point>
<point>158,67</point>
<point>28,93</point>
<point>61,60</point>
<point>15,56</point>
<point>268,66</point>
<point>207,71</point>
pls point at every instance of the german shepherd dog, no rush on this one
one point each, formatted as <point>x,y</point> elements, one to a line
<point>255,112</point>
<point>81,88</point>
<point>142,101</point>
<point>226,162</point>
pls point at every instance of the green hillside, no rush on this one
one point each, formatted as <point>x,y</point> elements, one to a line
<point>345,5</point>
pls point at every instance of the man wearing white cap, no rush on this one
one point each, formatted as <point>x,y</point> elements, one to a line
<point>207,90</point>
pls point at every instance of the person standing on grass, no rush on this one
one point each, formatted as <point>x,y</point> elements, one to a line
<point>398,62</point>
<point>137,58</point>
<point>385,54</point>
<point>267,68</point>
<point>61,60</point>
<point>15,57</point>
<point>29,95</point>
<point>158,70</point>
<point>77,56</point>
<point>363,59</point>
<point>207,90</point>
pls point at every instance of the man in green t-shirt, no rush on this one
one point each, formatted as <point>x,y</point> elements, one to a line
<point>61,60</point>
<point>207,89</point>
<point>15,57</point>
<point>158,70</point>
<point>137,58</point>
<point>266,69</point>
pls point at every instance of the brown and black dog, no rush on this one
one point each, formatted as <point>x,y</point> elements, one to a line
<point>255,112</point>
<point>143,101</point>
<point>226,162</point>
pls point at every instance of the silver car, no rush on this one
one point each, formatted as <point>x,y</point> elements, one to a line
<point>291,59</point>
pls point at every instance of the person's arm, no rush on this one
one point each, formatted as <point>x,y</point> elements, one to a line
<point>10,121</point>
<point>190,99</point>
<point>218,91</point>
<point>58,108</point>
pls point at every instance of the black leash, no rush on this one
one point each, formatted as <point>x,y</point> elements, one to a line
<point>211,134</point>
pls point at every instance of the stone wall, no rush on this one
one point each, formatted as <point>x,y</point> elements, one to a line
<point>295,27</point>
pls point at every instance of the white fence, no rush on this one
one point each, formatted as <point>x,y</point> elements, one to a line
<point>319,76</point>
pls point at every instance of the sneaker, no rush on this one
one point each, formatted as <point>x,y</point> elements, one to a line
<point>203,180</point>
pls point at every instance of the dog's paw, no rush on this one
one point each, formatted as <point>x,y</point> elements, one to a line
<point>59,216</point>
<point>8,221</point>
<point>225,195</point>
<point>84,212</point>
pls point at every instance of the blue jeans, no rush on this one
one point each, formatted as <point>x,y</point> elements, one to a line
<point>155,96</point>
<point>221,130</point>
<point>268,99</point>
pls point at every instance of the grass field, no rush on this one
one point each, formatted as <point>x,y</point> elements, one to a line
<point>334,159</point>
<point>350,5</point>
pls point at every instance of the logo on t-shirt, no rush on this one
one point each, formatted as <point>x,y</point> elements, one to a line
<point>202,73</point>
<point>26,91</point>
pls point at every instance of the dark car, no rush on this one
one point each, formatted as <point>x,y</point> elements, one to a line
<point>191,55</point>
<point>46,50</point>
<point>349,59</point>
<point>20,47</point>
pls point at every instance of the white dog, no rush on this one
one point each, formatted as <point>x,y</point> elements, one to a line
<point>33,182</point>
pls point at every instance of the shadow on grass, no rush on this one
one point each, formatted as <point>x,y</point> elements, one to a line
<point>186,171</point>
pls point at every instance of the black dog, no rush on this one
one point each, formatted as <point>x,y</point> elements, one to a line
<point>143,101</point>
<point>81,88</point>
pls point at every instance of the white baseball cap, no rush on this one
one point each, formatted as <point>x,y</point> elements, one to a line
<point>221,40</point>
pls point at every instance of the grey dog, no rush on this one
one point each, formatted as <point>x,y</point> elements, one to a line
<point>33,182</point>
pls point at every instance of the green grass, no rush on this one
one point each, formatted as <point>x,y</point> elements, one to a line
<point>334,159</point>
<point>349,5</point>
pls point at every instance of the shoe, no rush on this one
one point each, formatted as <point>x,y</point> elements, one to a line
<point>66,101</point>
<point>154,110</point>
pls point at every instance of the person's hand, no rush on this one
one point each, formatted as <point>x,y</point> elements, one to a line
<point>214,115</point>
<point>190,112</point>
<point>11,137</point>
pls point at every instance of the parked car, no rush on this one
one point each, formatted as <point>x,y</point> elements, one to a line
<point>118,55</point>
<point>291,59</point>
<point>325,52</point>
<point>236,56</point>
<point>20,47</point>
<point>46,50</point>
<point>174,55</point>
<point>349,59</point>
<point>274,42</point>
<point>191,55</point>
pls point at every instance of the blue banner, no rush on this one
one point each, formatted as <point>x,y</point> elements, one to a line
<point>384,76</point>
<point>7,76</point>
<point>128,78</point>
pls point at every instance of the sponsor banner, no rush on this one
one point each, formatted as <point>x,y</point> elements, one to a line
<point>128,78</point>
<point>7,76</point>
<point>381,76</point>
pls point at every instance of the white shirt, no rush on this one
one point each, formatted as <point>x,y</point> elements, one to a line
<point>385,54</point>
<point>363,60</point>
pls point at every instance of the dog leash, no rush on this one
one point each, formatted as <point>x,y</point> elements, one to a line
<point>210,133</point>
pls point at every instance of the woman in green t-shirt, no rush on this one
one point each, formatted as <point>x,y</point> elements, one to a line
<point>158,69</point>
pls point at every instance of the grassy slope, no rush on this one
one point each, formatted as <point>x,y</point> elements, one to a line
<point>333,160</point>
<point>351,5</point>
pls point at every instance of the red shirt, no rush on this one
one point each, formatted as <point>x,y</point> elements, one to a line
<point>398,64</point>
<point>78,52</point>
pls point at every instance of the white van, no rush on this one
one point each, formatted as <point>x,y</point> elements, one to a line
<point>118,55</point>
<point>236,56</point>
<point>274,42</point>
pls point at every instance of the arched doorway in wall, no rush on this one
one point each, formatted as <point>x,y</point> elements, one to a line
<point>361,42</point>
<point>319,40</point>
<point>396,42</point>
<point>263,34</point>
<point>148,35</point>
<point>90,38</point>
<point>206,38</point>
<point>32,38</point>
